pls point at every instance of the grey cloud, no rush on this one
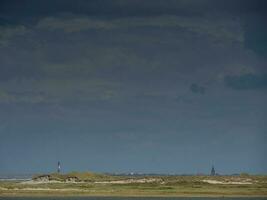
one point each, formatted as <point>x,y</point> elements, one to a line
<point>8,32</point>
<point>57,91</point>
<point>226,28</point>
<point>247,81</point>
<point>24,97</point>
<point>197,89</point>
<point>255,32</point>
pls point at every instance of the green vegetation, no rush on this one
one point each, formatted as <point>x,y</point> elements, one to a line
<point>77,176</point>
<point>91,184</point>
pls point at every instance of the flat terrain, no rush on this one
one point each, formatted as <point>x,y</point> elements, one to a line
<point>89,184</point>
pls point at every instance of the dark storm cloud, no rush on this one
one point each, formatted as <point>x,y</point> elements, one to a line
<point>30,10</point>
<point>246,81</point>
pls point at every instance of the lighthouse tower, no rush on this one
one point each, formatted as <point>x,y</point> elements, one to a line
<point>58,167</point>
<point>212,172</point>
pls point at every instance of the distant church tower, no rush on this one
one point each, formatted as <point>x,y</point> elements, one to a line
<point>58,167</point>
<point>212,172</point>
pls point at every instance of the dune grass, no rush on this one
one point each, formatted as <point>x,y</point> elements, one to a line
<point>91,184</point>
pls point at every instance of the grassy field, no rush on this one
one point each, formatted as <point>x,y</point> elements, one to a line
<point>89,184</point>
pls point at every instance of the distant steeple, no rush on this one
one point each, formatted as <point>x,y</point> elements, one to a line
<point>212,172</point>
<point>58,167</point>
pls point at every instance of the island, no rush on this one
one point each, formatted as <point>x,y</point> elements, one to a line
<point>136,185</point>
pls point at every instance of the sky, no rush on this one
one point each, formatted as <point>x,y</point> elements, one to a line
<point>145,86</point>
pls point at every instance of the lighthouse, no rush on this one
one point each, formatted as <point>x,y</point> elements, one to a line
<point>212,172</point>
<point>58,167</point>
